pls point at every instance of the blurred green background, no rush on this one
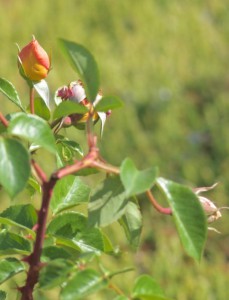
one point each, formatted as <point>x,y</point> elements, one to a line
<point>169,62</point>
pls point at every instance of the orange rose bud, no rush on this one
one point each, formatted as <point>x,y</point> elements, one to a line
<point>34,61</point>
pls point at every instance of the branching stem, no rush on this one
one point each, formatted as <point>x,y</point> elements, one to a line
<point>92,159</point>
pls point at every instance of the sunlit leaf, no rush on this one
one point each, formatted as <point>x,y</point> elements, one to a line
<point>131,222</point>
<point>108,103</point>
<point>68,192</point>
<point>188,215</point>
<point>83,284</point>
<point>9,267</point>
<point>10,92</point>
<point>14,166</point>
<point>84,64</point>
<point>34,129</point>
<point>108,203</point>
<point>134,181</point>
<point>146,288</point>
<point>67,108</point>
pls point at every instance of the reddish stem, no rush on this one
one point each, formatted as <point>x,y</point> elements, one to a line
<point>31,97</point>
<point>4,121</point>
<point>87,161</point>
<point>105,167</point>
<point>40,173</point>
<point>34,258</point>
<point>157,206</point>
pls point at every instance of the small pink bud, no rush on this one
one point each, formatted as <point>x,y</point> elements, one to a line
<point>67,122</point>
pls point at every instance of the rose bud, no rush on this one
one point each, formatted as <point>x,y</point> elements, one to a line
<point>34,62</point>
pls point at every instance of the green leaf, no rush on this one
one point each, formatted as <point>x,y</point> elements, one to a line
<point>108,247</point>
<point>134,181</point>
<point>55,273</point>
<point>34,129</point>
<point>121,298</point>
<point>66,108</point>
<point>2,295</point>
<point>108,203</point>
<point>9,267</point>
<point>40,294</point>
<point>23,214</point>
<point>12,243</point>
<point>145,288</point>
<point>84,64</point>
<point>54,252</point>
<point>64,155</point>
<point>70,229</point>
<point>189,216</point>
<point>108,103</point>
<point>87,171</point>
<point>131,222</point>
<point>83,284</point>
<point>11,223</point>
<point>10,92</point>
<point>14,166</point>
<point>68,192</point>
<point>41,109</point>
<point>74,146</point>
<point>33,186</point>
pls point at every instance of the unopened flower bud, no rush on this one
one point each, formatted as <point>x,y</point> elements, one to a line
<point>34,62</point>
<point>212,211</point>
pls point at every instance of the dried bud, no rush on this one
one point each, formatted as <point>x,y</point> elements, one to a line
<point>75,92</point>
<point>212,211</point>
<point>34,62</point>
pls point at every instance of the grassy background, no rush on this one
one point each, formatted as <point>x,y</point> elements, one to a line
<point>169,61</point>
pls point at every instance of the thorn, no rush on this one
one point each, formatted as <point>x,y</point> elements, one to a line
<point>35,227</point>
<point>27,259</point>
